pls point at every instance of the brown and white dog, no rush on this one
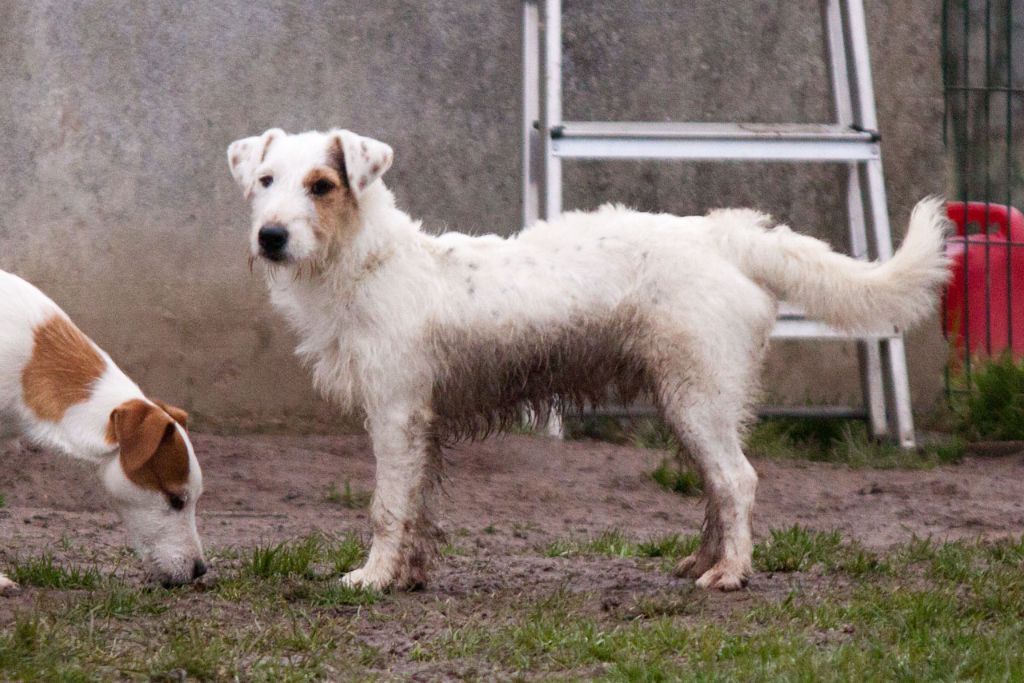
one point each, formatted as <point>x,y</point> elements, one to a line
<point>59,390</point>
<point>442,337</point>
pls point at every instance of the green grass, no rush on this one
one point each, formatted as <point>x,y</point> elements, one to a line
<point>924,610</point>
<point>284,559</point>
<point>673,476</point>
<point>45,572</point>
<point>837,441</point>
<point>952,612</point>
<point>992,407</point>
<point>272,615</point>
<point>796,549</point>
<point>347,497</point>
<point>614,543</point>
<point>609,543</point>
<point>844,442</point>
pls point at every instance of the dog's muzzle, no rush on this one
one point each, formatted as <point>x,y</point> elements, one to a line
<point>273,240</point>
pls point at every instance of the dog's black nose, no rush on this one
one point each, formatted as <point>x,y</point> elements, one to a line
<point>198,569</point>
<point>273,237</point>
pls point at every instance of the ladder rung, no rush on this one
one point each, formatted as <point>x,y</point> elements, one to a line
<point>802,328</point>
<point>710,141</point>
<point>830,412</point>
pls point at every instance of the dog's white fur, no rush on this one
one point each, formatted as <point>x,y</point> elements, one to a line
<point>166,539</point>
<point>441,337</point>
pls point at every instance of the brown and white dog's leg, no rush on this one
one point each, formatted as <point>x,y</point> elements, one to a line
<point>8,587</point>
<point>405,536</point>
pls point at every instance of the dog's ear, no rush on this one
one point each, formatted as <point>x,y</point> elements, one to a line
<point>246,154</point>
<point>359,160</point>
<point>176,413</point>
<point>153,454</point>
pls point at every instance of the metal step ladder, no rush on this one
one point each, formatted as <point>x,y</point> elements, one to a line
<point>853,140</point>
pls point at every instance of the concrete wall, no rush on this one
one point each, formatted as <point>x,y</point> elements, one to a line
<point>116,199</point>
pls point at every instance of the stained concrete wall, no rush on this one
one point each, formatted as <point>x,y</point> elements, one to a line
<point>115,198</point>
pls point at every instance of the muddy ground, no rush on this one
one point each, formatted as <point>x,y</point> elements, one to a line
<point>505,500</point>
<point>531,490</point>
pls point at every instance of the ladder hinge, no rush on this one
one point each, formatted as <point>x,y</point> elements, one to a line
<point>875,135</point>
<point>557,132</point>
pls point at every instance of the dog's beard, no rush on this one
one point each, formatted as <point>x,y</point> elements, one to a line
<point>305,269</point>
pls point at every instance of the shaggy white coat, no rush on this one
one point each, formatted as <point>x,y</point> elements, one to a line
<point>437,337</point>
<point>165,539</point>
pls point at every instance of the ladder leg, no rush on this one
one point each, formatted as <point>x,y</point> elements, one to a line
<point>893,353</point>
<point>894,362</point>
<point>894,359</point>
<point>552,119</point>
<point>531,141</point>
<point>868,353</point>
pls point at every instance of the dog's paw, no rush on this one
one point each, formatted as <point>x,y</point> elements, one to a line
<point>724,576</point>
<point>366,579</point>
<point>693,566</point>
<point>8,588</point>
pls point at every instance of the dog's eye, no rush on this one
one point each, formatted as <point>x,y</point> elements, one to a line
<point>176,502</point>
<point>321,187</point>
<point>267,180</point>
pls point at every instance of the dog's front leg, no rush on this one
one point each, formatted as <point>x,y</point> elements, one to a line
<point>405,537</point>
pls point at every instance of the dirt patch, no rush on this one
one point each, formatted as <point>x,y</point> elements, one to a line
<point>506,496</point>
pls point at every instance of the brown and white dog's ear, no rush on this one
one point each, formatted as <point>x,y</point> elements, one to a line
<point>359,160</point>
<point>176,413</point>
<point>246,154</point>
<point>153,455</point>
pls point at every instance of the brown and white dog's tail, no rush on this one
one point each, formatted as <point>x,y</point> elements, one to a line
<point>842,291</point>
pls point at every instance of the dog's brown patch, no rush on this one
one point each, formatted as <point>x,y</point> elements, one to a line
<point>62,370</point>
<point>153,454</point>
<point>176,413</point>
<point>266,146</point>
<point>317,174</point>
<point>336,160</point>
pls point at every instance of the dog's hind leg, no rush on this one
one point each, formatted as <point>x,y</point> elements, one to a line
<point>405,537</point>
<point>723,560</point>
<point>703,387</point>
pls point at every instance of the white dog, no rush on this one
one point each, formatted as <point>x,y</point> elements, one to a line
<point>440,338</point>
<point>59,390</point>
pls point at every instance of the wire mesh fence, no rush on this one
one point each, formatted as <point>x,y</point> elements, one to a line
<point>983,309</point>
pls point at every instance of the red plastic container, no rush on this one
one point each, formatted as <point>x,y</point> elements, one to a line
<point>983,308</point>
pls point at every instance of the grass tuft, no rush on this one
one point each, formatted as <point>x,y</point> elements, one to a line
<point>284,559</point>
<point>844,442</point>
<point>353,499</point>
<point>673,476</point>
<point>612,543</point>
<point>44,572</point>
<point>796,549</point>
<point>991,407</point>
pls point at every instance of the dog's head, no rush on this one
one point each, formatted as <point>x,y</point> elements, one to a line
<point>155,482</point>
<point>305,189</point>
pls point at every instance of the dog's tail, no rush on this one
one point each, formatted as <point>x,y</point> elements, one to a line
<point>841,291</point>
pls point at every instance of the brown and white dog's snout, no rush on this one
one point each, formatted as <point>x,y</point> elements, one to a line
<point>63,392</point>
<point>185,571</point>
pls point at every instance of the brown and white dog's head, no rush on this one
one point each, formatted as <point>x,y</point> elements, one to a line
<point>155,482</point>
<point>305,189</point>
